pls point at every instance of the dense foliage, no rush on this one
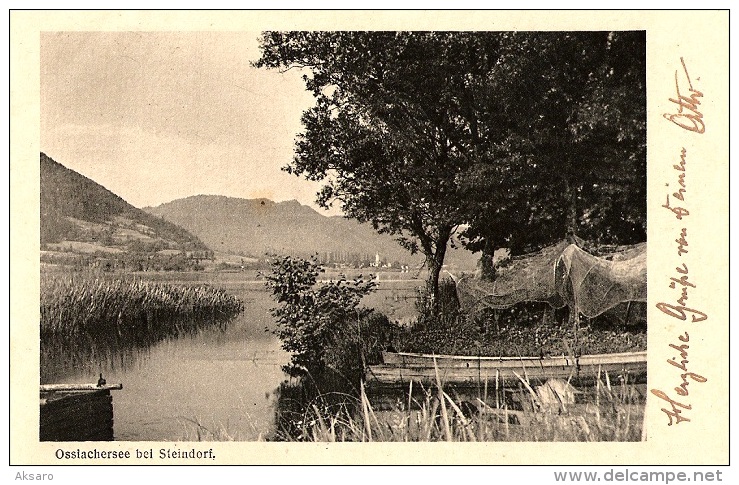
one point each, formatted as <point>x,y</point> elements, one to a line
<point>566,142</point>
<point>526,329</point>
<point>322,324</point>
<point>382,133</point>
<point>521,138</point>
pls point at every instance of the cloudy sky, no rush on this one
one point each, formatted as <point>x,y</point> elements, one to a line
<point>155,117</point>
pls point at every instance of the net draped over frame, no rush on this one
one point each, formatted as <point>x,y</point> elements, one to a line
<point>563,275</point>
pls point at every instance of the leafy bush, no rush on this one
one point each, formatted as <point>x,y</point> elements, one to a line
<point>321,325</point>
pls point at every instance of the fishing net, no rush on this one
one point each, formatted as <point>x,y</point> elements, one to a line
<point>594,285</point>
<point>563,275</point>
<point>522,278</point>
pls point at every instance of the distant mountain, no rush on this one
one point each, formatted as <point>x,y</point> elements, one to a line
<point>258,226</point>
<point>74,209</point>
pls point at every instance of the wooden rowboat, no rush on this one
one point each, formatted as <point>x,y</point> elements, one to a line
<point>401,368</point>
<point>466,361</point>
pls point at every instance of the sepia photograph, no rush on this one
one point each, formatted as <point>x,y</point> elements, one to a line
<point>360,235</point>
<point>482,198</point>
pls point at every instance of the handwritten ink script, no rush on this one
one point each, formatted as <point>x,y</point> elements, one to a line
<point>687,117</point>
<point>679,306</point>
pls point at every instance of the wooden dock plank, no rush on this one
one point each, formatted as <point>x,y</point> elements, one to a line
<point>76,412</point>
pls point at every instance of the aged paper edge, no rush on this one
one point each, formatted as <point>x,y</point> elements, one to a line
<point>701,38</point>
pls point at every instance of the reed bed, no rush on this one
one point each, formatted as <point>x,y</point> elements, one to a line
<point>88,304</point>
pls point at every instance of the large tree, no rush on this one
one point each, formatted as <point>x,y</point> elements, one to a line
<point>388,133</point>
<point>570,158</point>
<point>521,138</point>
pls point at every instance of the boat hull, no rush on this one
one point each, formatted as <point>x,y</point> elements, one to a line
<point>402,368</point>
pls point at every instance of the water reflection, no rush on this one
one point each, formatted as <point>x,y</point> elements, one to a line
<point>115,351</point>
<point>205,380</point>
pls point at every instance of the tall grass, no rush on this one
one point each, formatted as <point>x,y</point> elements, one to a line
<point>443,313</point>
<point>449,419</point>
<point>72,304</point>
<point>601,413</point>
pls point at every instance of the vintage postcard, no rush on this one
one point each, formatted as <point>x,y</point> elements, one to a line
<point>263,237</point>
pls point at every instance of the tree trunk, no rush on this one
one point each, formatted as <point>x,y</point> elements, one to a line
<point>487,266</point>
<point>433,283</point>
<point>435,263</point>
<point>571,210</point>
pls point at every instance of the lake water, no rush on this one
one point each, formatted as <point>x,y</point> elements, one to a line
<point>217,383</point>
